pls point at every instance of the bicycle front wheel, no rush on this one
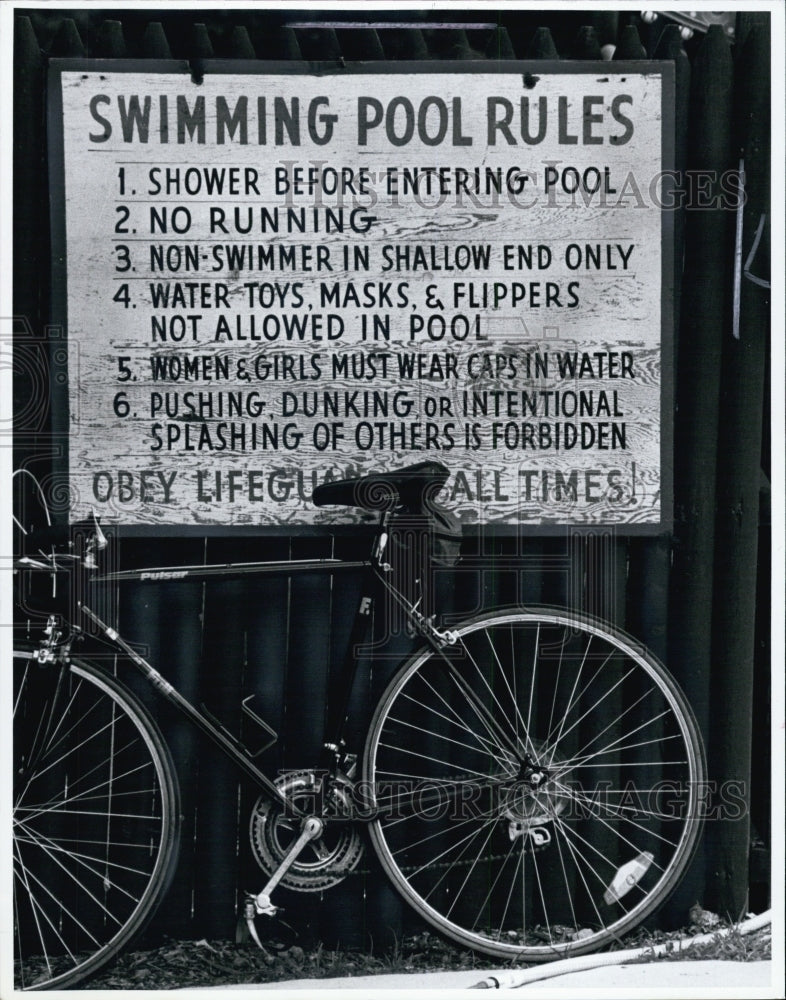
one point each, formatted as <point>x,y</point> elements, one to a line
<point>96,819</point>
<point>538,784</point>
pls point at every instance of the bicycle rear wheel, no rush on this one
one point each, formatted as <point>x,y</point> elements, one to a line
<point>96,820</point>
<point>539,784</point>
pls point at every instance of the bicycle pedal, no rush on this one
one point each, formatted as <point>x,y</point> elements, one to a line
<point>246,931</point>
<point>242,934</point>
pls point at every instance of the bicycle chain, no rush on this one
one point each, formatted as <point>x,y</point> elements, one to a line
<point>439,866</point>
<point>343,872</point>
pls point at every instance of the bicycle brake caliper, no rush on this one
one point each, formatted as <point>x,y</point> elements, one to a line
<point>53,633</point>
<point>445,637</point>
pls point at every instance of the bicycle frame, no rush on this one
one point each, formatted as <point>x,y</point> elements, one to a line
<point>373,569</point>
<point>337,708</point>
<point>510,804</point>
<point>469,734</point>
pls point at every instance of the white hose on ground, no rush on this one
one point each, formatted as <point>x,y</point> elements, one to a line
<point>522,977</point>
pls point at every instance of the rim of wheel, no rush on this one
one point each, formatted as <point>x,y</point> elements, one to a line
<point>544,774</point>
<point>79,849</point>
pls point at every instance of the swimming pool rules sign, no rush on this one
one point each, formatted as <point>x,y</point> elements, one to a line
<point>270,278</point>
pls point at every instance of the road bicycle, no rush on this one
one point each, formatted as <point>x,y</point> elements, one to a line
<point>530,781</point>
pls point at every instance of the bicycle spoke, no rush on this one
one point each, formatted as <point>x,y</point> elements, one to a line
<point>438,833</point>
<point>80,747</point>
<point>470,870</point>
<point>613,722</point>
<point>95,821</point>
<point>562,828</point>
<point>530,872</point>
<point>436,760</point>
<point>414,799</point>
<point>438,857</point>
<point>517,714</point>
<point>567,711</point>
<point>489,723</point>
<point>618,812</point>
<point>540,893</point>
<point>434,734</point>
<point>485,743</point>
<point>513,880</point>
<point>637,849</point>
<point>532,688</point>
<point>34,905</point>
<point>568,892</point>
<point>615,748</point>
<point>59,907</point>
<point>88,794</point>
<point>600,854</point>
<point>550,723</point>
<point>42,844</point>
<point>54,846</point>
<point>562,734</point>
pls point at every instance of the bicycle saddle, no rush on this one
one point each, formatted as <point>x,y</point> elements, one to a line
<point>411,488</point>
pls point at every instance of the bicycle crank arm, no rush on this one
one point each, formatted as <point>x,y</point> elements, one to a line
<point>312,828</point>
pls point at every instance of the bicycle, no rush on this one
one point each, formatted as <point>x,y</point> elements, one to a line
<point>530,781</point>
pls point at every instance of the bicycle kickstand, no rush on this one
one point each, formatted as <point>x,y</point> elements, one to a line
<point>260,904</point>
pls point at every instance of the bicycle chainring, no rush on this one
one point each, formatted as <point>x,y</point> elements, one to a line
<point>323,862</point>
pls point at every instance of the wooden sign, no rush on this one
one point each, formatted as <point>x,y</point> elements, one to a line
<point>272,278</point>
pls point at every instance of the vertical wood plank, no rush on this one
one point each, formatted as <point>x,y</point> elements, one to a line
<point>110,42</point>
<point>404,43</point>
<point>705,317</point>
<point>650,558</point>
<point>499,44</point>
<point>671,48</point>
<point>164,621</point>
<point>704,321</point>
<point>154,42</point>
<point>221,673</point>
<point>555,583</point>
<point>28,188</point>
<point>629,46</point>
<point>265,670</point>
<point>240,46</point>
<point>68,42</point>
<point>737,523</point>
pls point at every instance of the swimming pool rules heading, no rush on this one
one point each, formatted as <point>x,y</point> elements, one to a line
<point>269,279</point>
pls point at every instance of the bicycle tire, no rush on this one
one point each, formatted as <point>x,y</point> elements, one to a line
<point>539,783</point>
<point>96,820</point>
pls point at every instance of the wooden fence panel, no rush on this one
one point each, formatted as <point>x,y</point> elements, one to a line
<point>691,598</point>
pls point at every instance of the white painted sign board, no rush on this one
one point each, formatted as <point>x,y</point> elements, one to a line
<point>275,278</point>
